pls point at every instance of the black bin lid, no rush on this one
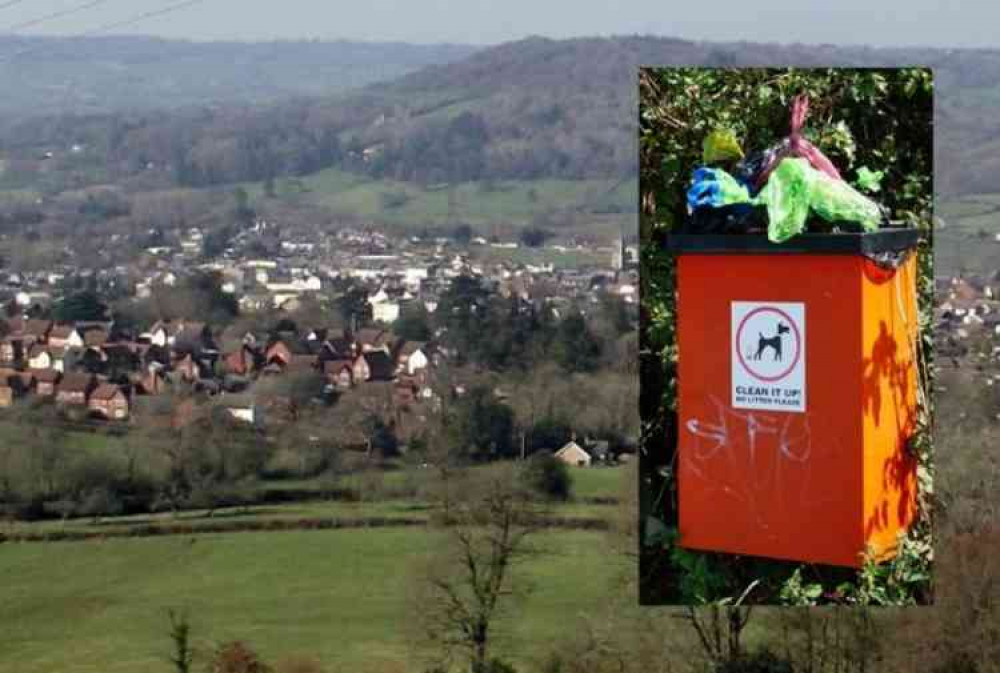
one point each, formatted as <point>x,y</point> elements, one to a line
<point>869,244</point>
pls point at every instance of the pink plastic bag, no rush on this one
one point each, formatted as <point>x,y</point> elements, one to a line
<point>797,146</point>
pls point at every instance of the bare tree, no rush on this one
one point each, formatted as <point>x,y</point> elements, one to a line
<point>182,656</point>
<point>472,578</point>
<point>719,630</point>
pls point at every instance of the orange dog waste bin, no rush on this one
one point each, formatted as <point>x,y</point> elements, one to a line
<point>797,394</point>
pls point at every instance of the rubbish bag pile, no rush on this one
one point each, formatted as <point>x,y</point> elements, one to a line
<point>789,182</point>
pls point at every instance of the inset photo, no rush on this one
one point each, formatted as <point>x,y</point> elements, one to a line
<point>786,343</point>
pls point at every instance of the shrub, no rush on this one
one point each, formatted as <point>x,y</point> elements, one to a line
<point>237,657</point>
<point>547,476</point>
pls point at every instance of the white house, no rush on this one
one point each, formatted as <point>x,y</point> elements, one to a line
<point>573,454</point>
<point>416,360</point>
<point>385,311</point>
<point>279,299</point>
<point>240,407</point>
<point>40,359</point>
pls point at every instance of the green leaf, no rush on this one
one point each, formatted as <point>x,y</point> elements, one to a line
<point>869,180</point>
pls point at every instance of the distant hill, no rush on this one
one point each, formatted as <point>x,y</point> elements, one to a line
<point>578,97</point>
<point>526,110</point>
<point>106,74</point>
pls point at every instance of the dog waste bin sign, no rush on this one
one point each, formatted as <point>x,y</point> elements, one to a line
<point>796,394</point>
<point>768,358</point>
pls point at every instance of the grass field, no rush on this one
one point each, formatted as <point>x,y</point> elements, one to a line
<point>98,607</point>
<point>966,243</point>
<point>490,207</point>
<point>340,595</point>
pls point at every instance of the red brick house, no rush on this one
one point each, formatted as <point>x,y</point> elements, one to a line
<point>75,388</point>
<point>12,349</point>
<point>46,382</point>
<point>63,336</point>
<point>278,352</point>
<point>339,373</point>
<point>187,368</point>
<point>36,330</point>
<point>149,382</point>
<point>242,361</point>
<point>109,401</point>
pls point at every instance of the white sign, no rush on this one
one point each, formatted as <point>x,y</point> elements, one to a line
<point>769,356</point>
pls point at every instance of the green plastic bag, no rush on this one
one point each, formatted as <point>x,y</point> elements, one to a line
<point>794,188</point>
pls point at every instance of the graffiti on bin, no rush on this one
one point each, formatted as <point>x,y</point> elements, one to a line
<point>761,452</point>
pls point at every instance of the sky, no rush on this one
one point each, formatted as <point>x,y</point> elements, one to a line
<point>938,23</point>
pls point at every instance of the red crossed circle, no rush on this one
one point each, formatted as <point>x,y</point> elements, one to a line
<point>739,341</point>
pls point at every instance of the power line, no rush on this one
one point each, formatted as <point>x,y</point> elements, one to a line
<point>55,15</point>
<point>114,25</point>
<point>11,3</point>
<point>140,17</point>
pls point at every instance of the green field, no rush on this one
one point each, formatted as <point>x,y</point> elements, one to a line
<point>491,207</point>
<point>340,595</point>
<point>966,243</point>
<point>98,607</point>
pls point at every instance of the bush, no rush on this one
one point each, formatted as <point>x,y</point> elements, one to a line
<point>237,657</point>
<point>547,476</point>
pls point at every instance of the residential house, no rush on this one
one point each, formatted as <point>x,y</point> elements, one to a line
<point>573,454</point>
<point>339,373</point>
<point>241,407</point>
<point>242,361</point>
<point>412,357</point>
<point>372,339</point>
<point>109,401</point>
<point>63,336</point>
<point>12,350</point>
<point>36,330</point>
<point>163,333</point>
<point>46,382</point>
<point>151,381</point>
<point>279,352</point>
<point>39,357</point>
<point>374,366</point>
<point>187,368</point>
<point>385,311</point>
<point>253,302</point>
<point>75,388</point>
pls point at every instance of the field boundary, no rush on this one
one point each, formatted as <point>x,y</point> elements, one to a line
<point>160,530</point>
